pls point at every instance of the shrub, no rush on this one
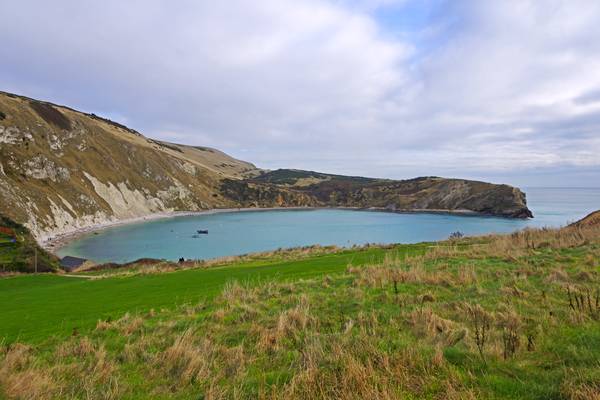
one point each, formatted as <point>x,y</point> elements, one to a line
<point>456,235</point>
<point>482,322</point>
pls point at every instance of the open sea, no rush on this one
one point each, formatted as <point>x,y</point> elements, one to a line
<point>238,233</point>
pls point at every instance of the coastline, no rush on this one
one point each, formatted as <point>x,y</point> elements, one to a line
<point>55,243</point>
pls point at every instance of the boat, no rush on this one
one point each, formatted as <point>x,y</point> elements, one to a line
<point>202,231</point>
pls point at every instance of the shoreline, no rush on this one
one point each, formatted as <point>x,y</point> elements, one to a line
<point>54,243</point>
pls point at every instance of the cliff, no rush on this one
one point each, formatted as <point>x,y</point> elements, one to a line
<point>419,194</point>
<point>61,170</point>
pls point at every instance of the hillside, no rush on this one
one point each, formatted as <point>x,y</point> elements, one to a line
<point>590,220</point>
<point>61,170</point>
<point>497,317</point>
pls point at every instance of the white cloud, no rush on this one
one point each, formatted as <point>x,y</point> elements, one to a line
<point>504,86</point>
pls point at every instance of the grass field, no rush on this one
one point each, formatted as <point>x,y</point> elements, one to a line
<point>33,307</point>
<point>502,317</point>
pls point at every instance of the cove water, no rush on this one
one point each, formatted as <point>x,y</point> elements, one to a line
<point>238,233</point>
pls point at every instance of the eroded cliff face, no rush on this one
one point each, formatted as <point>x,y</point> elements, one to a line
<point>61,170</point>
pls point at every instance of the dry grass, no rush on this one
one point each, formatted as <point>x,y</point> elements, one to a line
<point>293,321</point>
<point>235,293</point>
<point>78,348</point>
<point>384,275</point>
<point>187,361</point>
<point>576,388</point>
<point>353,368</point>
<point>19,377</point>
<point>104,325</point>
<point>428,324</point>
<point>557,276</point>
<point>79,367</point>
<point>522,242</point>
<point>129,325</point>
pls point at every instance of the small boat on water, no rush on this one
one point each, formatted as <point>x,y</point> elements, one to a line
<point>202,231</point>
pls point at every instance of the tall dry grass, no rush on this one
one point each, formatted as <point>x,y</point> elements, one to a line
<point>79,369</point>
<point>19,377</point>
<point>525,241</point>
<point>188,359</point>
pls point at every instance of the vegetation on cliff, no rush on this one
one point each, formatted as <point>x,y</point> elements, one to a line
<point>19,252</point>
<point>503,317</point>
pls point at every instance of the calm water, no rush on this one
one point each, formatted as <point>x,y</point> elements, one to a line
<point>245,232</point>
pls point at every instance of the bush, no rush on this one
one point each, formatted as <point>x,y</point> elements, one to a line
<point>2,116</point>
<point>456,235</point>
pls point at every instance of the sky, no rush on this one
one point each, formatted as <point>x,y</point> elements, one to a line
<point>506,91</point>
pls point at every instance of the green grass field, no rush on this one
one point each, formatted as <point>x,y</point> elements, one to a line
<point>34,307</point>
<point>503,317</point>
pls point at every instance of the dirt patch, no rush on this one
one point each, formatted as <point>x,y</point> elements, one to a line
<point>51,115</point>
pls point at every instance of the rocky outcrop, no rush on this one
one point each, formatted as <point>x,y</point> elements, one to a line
<point>61,170</point>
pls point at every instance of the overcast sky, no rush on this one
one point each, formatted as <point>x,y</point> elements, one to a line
<point>505,91</point>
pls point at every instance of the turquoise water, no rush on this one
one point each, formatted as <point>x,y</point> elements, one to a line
<point>252,231</point>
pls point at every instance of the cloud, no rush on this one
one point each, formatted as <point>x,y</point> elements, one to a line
<point>496,87</point>
<point>590,97</point>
